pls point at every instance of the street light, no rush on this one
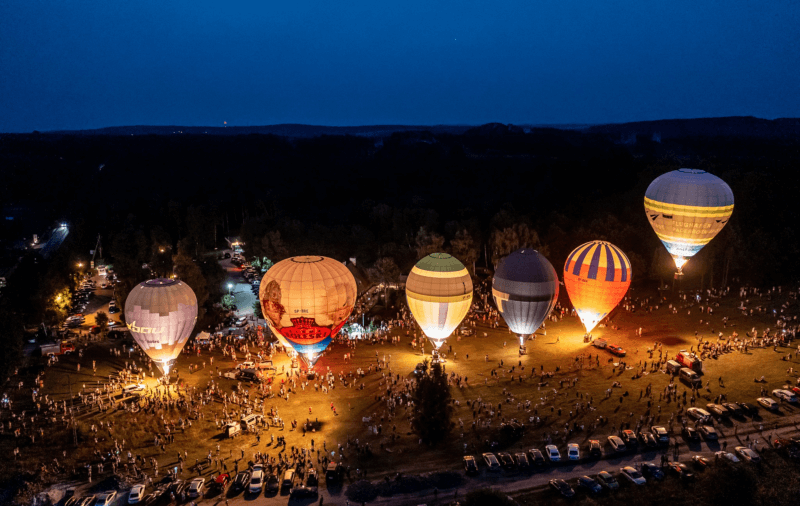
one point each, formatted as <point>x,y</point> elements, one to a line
<point>230,288</point>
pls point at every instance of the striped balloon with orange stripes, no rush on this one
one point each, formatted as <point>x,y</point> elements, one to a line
<point>597,276</point>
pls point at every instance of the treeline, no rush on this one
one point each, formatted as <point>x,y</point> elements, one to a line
<point>168,201</point>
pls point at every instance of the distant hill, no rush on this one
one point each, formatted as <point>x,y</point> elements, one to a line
<point>285,130</point>
<point>734,126</point>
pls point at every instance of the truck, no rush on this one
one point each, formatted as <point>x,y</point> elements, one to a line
<point>58,348</point>
<point>690,360</point>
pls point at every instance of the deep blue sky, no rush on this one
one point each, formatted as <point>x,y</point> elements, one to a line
<point>88,64</point>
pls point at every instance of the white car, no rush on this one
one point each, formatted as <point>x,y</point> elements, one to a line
<point>747,454</point>
<point>727,455</point>
<point>552,453</point>
<point>256,481</point>
<point>573,451</point>
<point>105,499</point>
<point>491,461</point>
<point>768,403</point>
<point>786,395</point>
<point>136,494</point>
<point>616,443</point>
<point>699,414</point>
<point>632,475</point>
<point>133,387</point>
<point>196,487</point>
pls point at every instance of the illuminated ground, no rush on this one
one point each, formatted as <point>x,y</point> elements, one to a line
<point>559,347</point>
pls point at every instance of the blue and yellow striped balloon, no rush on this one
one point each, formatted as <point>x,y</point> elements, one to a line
<point>687,208</point>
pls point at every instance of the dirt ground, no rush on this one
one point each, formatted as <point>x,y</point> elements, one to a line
<point>559,348</point>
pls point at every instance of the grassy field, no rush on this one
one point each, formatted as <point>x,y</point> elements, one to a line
<point>557,349</point>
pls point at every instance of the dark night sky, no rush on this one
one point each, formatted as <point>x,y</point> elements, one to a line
<point>87,64</point>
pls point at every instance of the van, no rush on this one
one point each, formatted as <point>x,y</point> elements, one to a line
<point>233,430</point>
<point>249,375</point>
<point>689,376</point>
<point>690,360</point>
<point>673,367</point>
<point>249,421</point>
<point>600,343</point>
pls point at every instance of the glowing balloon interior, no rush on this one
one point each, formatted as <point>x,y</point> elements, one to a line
<point>161,314</point>
<point>687,208</point>
<point>306,300</point>
<point>525,290</point>
<point>597,276</point>
<point>439,294</point>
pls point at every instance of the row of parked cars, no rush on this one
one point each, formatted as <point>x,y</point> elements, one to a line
<point>607,481</point>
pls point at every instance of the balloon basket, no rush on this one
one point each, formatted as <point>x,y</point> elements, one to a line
<point>523,350</point>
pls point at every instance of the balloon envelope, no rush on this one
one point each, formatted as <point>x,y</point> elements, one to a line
<point>687,208</point>
<point>597,275</point>
<point>306,300</point>
<point>525,289</point>
<point>439,293</point>
<point>161,314</point>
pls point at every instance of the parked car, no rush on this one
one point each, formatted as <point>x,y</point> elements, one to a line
<point>106,498</point>
<point>709,433</point>
<point>273,484</point>
<point>86,500</point>
<point>536,457</point>
<point>652,470</point>
<point>302,491</point>
<point>222,482</point>
<point>785,395</point>
<point>632,475</point>
<point>256,481</point>
<point>196,487</point>
<point>629,438</point>
<point>616,350</point>
<point>726,455</point>
<point>768,403</point>
<point>749,409</point>
<point>562,487</point>
<point>136,494</point>
<point>648,439</point>
<point>660,433</point>
<point>470,465</point>
<point>242,480</point>
<point>506,461</point>
<point>607,480</point>
<point>552,453</point>
<point>680,470</point>
<point>699,414</point>
<point>312,478</point>
<point>523,464</point>
<point>690,434</point>
<point>699,461</point>
<point>589,484</point>
<point>573,451</point>
<point>595,450</point>
<point>718,410</point>
<point>747,454</point>
<point>288,478</point>
<point>491,462</point>
<point>734,409</point>
<point>616,444</point>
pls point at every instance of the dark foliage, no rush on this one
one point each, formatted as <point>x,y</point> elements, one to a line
<point>433,410</point>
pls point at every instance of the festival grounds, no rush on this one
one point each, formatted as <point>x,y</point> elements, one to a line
<point>560,346</point>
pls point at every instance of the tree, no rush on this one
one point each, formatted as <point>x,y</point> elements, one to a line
<point>188,272</point>
<point>433,411</point>
<point>464,248</point>
<point>509,239</point>
<point>428,242</point>
<point>388,271</point>
<point>101,320</point>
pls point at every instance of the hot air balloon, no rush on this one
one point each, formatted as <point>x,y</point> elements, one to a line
<point>687,208</point>
<point>305,301</point>
<point>161,314</point>
<point>439,293</point>
<point>525,289</point>
<point>597,275</point>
